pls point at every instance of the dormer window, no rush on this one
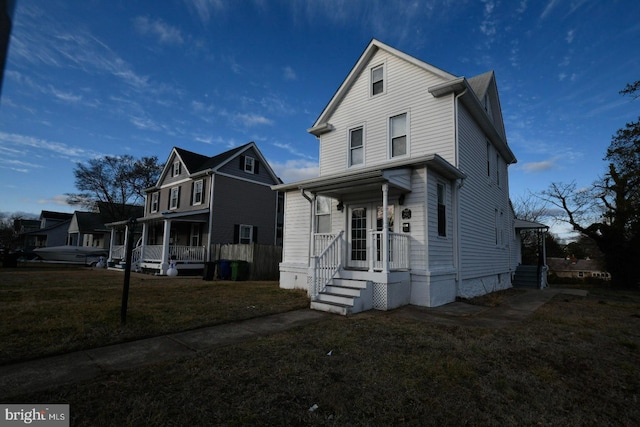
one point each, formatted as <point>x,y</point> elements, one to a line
<point>377,80</point>
<point>177,168</point>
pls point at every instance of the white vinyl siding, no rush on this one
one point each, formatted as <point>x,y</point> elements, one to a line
<point>296,228</point>
<point>481,222</point>
<point>431,119</point>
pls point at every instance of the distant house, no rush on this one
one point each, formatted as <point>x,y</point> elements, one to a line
<point>52,230</point>
<point>411,205</point>
<point>199,201</point>
<point>577,268</point>
<point>89,229</point>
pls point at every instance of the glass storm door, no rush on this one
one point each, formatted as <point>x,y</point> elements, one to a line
<point>358,236</point>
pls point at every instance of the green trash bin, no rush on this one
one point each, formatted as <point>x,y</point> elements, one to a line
<point>239,270</point>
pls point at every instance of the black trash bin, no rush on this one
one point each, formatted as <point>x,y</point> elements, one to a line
<point>209,270</point>
<point>10,261</point>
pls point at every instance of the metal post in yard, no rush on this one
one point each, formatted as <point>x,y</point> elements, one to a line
<point>127,271</point>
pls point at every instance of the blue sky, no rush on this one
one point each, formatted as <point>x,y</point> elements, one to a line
<point>90,78</point>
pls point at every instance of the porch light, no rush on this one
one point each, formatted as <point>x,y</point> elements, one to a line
<point>340,206</point>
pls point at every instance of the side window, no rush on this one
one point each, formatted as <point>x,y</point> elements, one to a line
<point>442,210</point>
<point>356,146</point>
<point>377,80</point>
<point>323,214</point>
<point>398,135</point>
<point>198,192</point>
<point>243,233</point>
<point>174,199</point>
<point>155,201</point>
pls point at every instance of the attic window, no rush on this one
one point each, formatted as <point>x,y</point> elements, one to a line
<point>249,164</point>
<point>377,80</point>
<point>176,168</point>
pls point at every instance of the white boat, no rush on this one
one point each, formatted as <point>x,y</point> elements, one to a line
<point>72,254</point>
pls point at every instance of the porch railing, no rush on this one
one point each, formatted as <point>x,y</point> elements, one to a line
<point>398,247</point>
<point>153,253</point>
<point>327,263</point>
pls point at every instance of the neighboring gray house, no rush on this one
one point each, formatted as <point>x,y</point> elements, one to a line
<point>412,202</point>
<point>53,230</point>
<point>199,201</point>
<point>577,268</point>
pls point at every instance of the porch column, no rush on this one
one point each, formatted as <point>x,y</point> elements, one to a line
<point>385,228</point>
<point>164,266</point>
<point>145,235</point>
<point>313,259</point>
<point>112,241</point>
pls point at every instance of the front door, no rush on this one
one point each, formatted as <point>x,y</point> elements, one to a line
<point>359,226</point>
<point>362,219</point>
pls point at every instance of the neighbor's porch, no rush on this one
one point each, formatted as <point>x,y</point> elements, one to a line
<point>178,239</point>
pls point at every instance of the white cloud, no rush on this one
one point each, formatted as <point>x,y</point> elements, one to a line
<point>205,8</point>
<point>59,200</point>
<point>165,33</point>
<point>543,166</point>
<point>295,170</point>
<point>42,144</point>
<point>570,35</point>
<point>252,119</point>
<point>289,74</point>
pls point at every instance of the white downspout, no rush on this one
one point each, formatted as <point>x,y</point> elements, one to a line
<point>457,254</point>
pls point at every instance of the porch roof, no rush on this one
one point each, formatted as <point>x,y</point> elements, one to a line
<point>522,224</point>
<point>397,174</point>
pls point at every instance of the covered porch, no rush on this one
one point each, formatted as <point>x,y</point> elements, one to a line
<point>532,270</point>
<point>179,239</point>
<point>368,252</point>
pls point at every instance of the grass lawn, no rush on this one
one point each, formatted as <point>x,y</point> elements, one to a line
<point>49,309</point>
<point>574,362</point>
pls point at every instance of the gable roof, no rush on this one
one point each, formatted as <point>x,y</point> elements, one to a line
<point>197,164</point>
<point>471,90</point>
<point>320,125</point>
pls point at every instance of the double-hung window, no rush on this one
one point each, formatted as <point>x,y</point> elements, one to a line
<point>398,135</point>
<point>377,80</point>
<point>249,164</point>
<point>177,169</point>
<point>356,146</point>
<point>174,199</point>
<point>155,201</point>
<point>246,234</point>
<point>323,214</point>
<point>197,192</point>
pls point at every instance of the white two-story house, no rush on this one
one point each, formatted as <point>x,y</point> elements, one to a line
<point>412,202</point>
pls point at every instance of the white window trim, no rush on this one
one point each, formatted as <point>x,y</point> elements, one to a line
<point>195,192</point>
<point>155,202</point>
<point>171,199</point>
<point>364,138</point>
<point>249,164</point>
<point>384,79</point>
<point>408,136</point>
<point>176,168</point>
<point>245,226</point>
<point>445,190</point>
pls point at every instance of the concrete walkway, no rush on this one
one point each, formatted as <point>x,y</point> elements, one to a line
<point>41,374</point>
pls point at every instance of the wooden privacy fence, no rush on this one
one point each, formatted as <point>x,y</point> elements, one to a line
<point>264,260</point>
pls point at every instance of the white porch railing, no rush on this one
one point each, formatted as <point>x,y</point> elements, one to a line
<point>153,253</point>
<point>398,251</point>
<point>118,252</point>
<point>327,263</point>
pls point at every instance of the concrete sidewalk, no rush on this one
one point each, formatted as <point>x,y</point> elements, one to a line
<point>48,372</point>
